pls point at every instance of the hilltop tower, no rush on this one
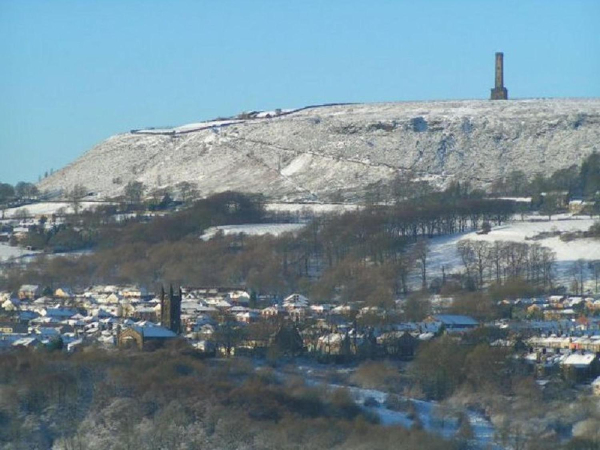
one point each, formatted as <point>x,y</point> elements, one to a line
<point>499,92</point>
<point>170,310</point>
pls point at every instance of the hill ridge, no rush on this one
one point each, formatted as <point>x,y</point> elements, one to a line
<point>318,151</point>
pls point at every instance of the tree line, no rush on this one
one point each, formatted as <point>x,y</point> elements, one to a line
<point>500,261</point>
<point>367,254</point>
<point>577,181</point>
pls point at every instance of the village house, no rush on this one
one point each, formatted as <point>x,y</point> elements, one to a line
<point>143,312</point>
<point>272,311</point>
<point>58,313</point>
<point>295,301</point>
<point>26,342</point>
<point>13,328</point>
<point>132,292</point>
<point>333,344</point>
<point>144,336</point>
<point>580,366</point>
<point>580,206</point>
<point>452,322</point>
<point>343,309</point>
<point>323,308</point>
<point>11,304</point>
<point>399,344</point>
<point>248,316</point>
<point>29,291</point>
<point>63,293</point>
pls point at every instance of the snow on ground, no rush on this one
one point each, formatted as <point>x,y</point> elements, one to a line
<point>444,251</point>
<point>199,126</point>
<point>517,199</point>
<point>48,208</point>
<point>296,165</point>
<point>7,252</point>
<point>187,128</point>
<point>258,229</point>
<point>350,148</point>
<point>483,430</point>
<point>315,208</point>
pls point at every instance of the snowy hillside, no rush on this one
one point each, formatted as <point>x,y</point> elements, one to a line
<point>314,152</point>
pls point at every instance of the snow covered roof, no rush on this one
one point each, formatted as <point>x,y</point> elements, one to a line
<point>331,338</point>
<point>59,312</point>
<point>151,330</point>
<point>29,288</point>
<point>579,360</point>
<point>342,309</point>
<point>206,309</point>
<point>296,300</point>
<point>222,304</point>
<point>452,320</point>
<point>25,342</point>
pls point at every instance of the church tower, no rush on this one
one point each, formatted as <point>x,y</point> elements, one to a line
<point>499,92</point>
<point>170,310</point>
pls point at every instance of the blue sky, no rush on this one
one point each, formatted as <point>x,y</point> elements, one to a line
<point>75,72</point>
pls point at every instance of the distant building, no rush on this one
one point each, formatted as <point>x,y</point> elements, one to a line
<point>452,322</point>
<point>399,344</point>
<point>579,206</point>
<point>13,328</point>
<point>63,292</point>
<point>144,336</point>
<point>170,310</point>
<point>580,366</point>
<point>30,291</point>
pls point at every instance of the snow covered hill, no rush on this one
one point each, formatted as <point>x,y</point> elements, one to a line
<point>316,152</point>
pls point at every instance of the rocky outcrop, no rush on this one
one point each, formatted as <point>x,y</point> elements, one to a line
<point>315,152</point>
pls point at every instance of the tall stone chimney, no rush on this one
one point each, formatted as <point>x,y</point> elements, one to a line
<point>499,92</point>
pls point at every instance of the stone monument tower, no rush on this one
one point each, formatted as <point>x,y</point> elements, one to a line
<point>499,92</point>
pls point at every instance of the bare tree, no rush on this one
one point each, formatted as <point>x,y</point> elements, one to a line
<point>187,190</point>
<point>22,214</point>
<point>594,266</point>
<point>421,252</point>
<point>547,260</point>
<point>25,190</point>
<point>75,196</point>
<point>550,205</point>
<point>577,271</point>
<point>134,191</point>
<point>465,250</point>
<point>497,259</point>
<point>481,250</point>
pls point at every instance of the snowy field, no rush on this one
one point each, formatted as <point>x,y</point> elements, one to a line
<point>258,229</point>
<point>7,252</point>
<point>314,208</point>
<point>444,251</point>
<point>48,208</point>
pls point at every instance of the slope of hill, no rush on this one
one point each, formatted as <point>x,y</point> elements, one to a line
<point>315,152</point>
